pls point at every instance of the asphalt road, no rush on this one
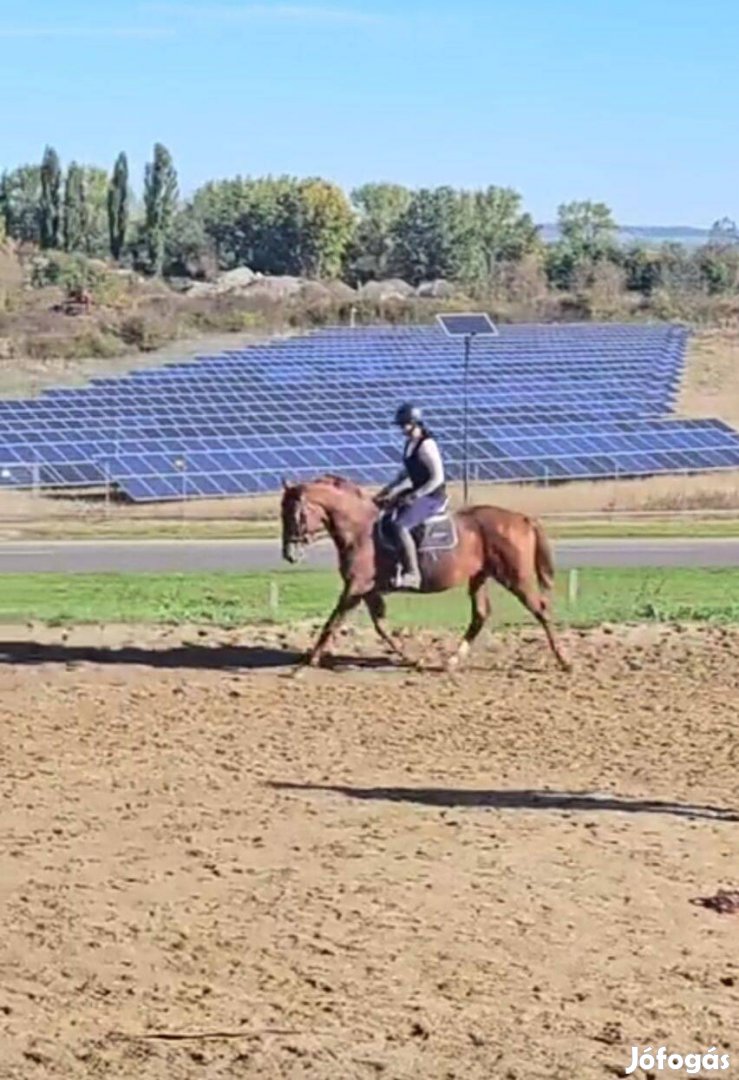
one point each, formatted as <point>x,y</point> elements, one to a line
<point>172,556</point>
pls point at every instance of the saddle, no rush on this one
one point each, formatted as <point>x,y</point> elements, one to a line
<point>436,533</point>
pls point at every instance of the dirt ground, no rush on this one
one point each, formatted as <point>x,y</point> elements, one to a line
<point>28,376</point>
<point>371,872</point>
<point>711,383</point>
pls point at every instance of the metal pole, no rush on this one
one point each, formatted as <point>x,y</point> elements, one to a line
<point>465,421</point>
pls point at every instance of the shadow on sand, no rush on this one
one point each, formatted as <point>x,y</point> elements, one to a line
<point>192,656</point>
<point>523,799</point>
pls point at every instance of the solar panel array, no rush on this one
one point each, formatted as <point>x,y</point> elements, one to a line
<point>546,403</point>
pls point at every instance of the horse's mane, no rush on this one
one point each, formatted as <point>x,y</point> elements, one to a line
<point>341,483</point>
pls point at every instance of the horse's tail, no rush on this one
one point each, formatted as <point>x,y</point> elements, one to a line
<point>543,559</point>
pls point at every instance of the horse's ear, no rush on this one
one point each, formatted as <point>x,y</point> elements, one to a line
<point>286,485</point>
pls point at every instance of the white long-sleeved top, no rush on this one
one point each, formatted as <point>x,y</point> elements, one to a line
<point>431,457</point>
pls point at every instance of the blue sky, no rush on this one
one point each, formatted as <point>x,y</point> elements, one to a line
<point>631,102</point>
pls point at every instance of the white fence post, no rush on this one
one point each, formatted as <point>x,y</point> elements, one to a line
<point>274,598</point>
<point>573,582</point>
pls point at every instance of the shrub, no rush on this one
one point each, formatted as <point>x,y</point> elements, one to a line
<point>69,272</point>
<point>89,343</point>
<point>148,331</point>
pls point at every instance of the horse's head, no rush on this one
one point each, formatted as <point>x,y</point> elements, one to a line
<point>301,521</point>
<point>328,502</point>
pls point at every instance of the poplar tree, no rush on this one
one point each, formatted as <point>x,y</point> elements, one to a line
<point>75,217</point>
<point>118,206</point>
<point>160,202</point>
<point>51,199</point>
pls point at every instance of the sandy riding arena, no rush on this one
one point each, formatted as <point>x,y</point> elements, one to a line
<point>371,873</point>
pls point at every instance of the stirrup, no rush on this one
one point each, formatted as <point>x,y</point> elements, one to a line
<point>408,580</point>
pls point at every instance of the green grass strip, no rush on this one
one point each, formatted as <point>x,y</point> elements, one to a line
<point>228,600</point>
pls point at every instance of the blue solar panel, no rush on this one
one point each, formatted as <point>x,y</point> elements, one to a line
<point>548,403</point>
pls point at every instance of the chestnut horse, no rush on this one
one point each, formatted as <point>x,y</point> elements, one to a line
<point>492,543</point>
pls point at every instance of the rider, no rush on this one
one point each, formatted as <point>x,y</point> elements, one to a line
<point>418,491</point>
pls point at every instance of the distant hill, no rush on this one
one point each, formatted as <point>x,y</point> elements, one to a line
<point>649,235</point>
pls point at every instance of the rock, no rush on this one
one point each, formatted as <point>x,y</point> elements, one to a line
<point>200,288</point>
<point>274,288</point>
<point>340,290</point>
<point>392,289</point>
<point>314,292</point>
<point>247,282</point>
<point>233,280</point>
<point>439,289</point>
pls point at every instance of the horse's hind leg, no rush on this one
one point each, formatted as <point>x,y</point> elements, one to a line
<point>376,606</point>
<point>480,612</point>
<point>538,605</point>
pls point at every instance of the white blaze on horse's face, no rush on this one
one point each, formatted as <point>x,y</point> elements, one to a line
<point>302,521</point>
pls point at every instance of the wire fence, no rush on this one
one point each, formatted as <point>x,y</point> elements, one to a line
<point>26,501</point>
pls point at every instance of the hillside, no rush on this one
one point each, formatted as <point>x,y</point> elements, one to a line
<point>647,235</point>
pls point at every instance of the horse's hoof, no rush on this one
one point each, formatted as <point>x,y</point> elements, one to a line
<point>567,666</point>
<point>452,663</point>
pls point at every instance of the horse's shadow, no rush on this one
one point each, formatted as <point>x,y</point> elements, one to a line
<point>186,656</point>
<point>516,799</point>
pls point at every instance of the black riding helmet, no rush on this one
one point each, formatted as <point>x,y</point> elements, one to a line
<point>408,414</point>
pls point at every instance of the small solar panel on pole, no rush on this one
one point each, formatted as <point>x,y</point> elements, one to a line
<point>467,325</point>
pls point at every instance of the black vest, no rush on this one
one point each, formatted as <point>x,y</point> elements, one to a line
<point>417,469</point>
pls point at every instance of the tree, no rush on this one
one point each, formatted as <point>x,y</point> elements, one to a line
<point>75,212</point>
<point>118,206</point>
<point>379,206</point>
<point>588,229</point>
<point>719,268</point>
<point>435,237</point>
<point>51,199</point>
<point>587,236</point>
<point>160,202</point>
<point>276,225</point>
<point>269,225</point>
<point>718,260</point>
<point>96,223</point>
<point>190,251</point>
<point>20,203</point>
<point>326,228</point>
<point>680,271</point>
<point>219,205</point>
<point>644,269</point>
<point>724,233</point>
<point>505,233</point>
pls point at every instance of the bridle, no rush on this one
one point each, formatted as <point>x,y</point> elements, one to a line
<point>297,534</point>
<point>298,524</point>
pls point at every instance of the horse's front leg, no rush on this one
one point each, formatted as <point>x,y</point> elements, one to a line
<point>376,606</point>
<point>346,603</point>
